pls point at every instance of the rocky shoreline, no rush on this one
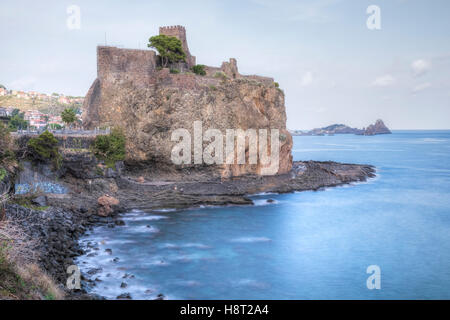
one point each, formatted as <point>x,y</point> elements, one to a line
<point>54,232</point>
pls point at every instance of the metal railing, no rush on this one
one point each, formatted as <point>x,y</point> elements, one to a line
<point>95,131</point>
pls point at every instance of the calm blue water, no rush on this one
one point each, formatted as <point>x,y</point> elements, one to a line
<point>309,245</point>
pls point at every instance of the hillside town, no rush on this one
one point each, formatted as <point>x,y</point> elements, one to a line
<point>59,98</point>
<point>38,110</point>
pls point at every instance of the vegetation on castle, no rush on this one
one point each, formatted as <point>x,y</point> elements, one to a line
<point>44,148</point>
<point>170,49</point>
<point>199,69</point>
<point>220,75</point>
<point>110,148</point>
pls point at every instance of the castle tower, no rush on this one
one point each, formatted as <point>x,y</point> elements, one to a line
<point>179,32</point>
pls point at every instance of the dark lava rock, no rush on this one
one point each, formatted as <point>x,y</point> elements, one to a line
<point>124,296</point>
<point>119,222</point>
<point>160,297</point>
<point>83,210</point>
<point>123,285</point>
<point>116,259</point>
<point>270,200</point>
<point>108,251</point>
<point>94,271</point>
<point>40,201</point>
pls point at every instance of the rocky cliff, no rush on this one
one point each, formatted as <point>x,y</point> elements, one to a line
<point>149,104</point>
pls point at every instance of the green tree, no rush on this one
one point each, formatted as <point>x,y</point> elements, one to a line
<point>169,48</point>
<point>17,121</point>
<point>8,162</point>
<point>69,116</point>
<point>6,144</point>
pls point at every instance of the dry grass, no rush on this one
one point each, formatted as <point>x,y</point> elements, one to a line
<point>33,275</point>
<point>20,276</point>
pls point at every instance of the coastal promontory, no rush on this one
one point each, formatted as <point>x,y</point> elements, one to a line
<point>135,92</point>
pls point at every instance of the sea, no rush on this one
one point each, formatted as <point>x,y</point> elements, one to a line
<point>387,238</point>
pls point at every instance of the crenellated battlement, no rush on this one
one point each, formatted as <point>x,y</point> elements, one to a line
<point>179,32</point>
<point>169,28</point>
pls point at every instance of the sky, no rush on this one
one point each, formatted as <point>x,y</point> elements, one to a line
<point>332,67</point>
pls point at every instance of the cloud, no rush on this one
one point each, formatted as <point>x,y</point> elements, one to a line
<point>384,81</point>
<point>421,87</point>
<point>420,67</point>
<point>307,79</point>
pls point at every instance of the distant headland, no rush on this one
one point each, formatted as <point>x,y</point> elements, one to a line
<point>377,128</point>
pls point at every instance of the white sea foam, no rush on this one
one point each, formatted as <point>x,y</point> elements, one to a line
<point>251,239</point>
<point>150,229</point>
<point>164,210</point>
<point>186,245</point>
<point>263,202</point>
<point>169,246</point>
<point>196,245</point>
<point>264,194</point>
<point>433,140</point>
<point>189,283</point>
<point>251,283</point>
<point>146,217</point>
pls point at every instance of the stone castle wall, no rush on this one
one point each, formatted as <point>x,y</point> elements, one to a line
<point>140,66</point>
<point>116,64</point>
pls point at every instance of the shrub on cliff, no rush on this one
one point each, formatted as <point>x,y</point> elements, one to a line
<point>44,148</point>
<point>169,48</point>
<point>199,69</point>
<point>110,148</point>
<point>220,75</point>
